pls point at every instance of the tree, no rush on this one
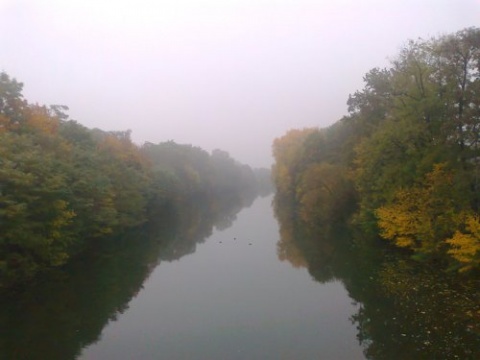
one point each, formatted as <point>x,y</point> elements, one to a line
<point>11,102</point>
<point>423,217</point>
<point>409,148</point>
<point>288,152</point>
<point>465,244</point>
<point>324,193</point>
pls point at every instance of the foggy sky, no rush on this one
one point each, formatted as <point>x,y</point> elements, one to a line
<point>229,74</point>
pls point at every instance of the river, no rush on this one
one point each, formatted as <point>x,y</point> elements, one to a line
<point>235,284</point>
<point>233,299</point>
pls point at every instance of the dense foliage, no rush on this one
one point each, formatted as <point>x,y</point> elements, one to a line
<point>405,161</point>
<point>402,310</point>
<point>64,187</point>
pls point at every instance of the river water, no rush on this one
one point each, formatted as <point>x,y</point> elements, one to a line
<point>233,299</point>
<point>223,279</point>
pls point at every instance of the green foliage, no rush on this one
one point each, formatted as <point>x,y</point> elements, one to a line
<point>409,148</point>
<point>187,171</point>
<point>311,169</point>
<point>324,193</point>
<point>65,188</point>
<point>35,216</point>
<point>11,103</point>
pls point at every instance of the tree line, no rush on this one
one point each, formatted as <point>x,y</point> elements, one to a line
<point>405,162</point>
<point>65,187</point>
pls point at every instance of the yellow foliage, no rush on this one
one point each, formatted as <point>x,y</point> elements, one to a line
<point>287,249</point>
<point>120,146</point>
<point>422,217</point>
<point>39,119</point>
<point>282,177</point>
<point>288,153</point>
<point>465,247</point>
<point>399,222</point>
<point>404,241</point>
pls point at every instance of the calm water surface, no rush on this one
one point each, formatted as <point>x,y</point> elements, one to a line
<point>233,299</point>
<point>206,282</point>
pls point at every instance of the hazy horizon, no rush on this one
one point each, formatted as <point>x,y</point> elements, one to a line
<point>231,75</point>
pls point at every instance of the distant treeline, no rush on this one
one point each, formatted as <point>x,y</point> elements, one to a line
<point>64,187</point>
<point>405,162</point>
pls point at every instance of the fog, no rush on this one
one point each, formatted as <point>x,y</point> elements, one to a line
<point>229,74</point>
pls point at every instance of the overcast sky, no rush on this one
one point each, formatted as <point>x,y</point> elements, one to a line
<point>229,74</point>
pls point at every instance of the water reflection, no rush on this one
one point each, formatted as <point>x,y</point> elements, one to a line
<point>405,311</point>
<point>66,310</point>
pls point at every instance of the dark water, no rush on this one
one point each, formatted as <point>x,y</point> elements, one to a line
<point>216,281</point>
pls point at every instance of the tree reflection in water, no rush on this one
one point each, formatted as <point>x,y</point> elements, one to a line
<point>407,310</point>
<point>66,309</point>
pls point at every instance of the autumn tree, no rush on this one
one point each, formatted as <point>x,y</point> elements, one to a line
<point>288,152</point>
<point>407,153</point>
